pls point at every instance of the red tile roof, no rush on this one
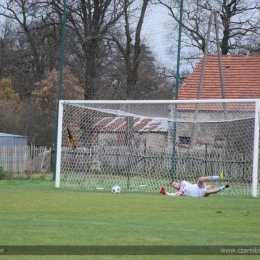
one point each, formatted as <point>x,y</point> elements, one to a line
<point>241,78</point>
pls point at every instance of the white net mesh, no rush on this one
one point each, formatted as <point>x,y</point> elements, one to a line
<point>143,146</point>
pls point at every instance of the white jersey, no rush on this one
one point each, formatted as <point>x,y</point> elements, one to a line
<point>191,189</point>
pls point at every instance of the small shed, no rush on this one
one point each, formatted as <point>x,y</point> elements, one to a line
<point>10,139</point>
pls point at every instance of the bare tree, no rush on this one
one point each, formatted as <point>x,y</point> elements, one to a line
<point>131,51</point>
<point>237,20</point>
<point>35,42</point>
<point>103,49</point>
<point>24,13</point>
<point>90,21</point>
<point>152,82</point>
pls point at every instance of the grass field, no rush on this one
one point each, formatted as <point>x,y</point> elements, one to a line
<point>35,213</point>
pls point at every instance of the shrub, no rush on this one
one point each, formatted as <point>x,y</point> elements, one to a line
<point>3,174</point>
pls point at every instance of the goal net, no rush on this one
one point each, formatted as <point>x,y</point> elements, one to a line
<point>143,145</point>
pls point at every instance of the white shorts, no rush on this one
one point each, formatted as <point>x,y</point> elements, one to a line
<point>194,190</point>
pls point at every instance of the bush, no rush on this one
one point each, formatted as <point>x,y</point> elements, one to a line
<point>3,174</point>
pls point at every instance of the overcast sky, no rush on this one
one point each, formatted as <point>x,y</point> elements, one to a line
<point>156,28</point>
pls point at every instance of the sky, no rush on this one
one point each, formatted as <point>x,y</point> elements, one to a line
<point>156,30</point>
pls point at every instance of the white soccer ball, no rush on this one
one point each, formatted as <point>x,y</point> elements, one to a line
<point>116,189</point>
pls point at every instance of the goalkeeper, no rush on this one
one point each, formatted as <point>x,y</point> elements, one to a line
<point>199,189</point>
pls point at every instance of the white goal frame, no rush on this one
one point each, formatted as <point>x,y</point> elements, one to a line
<point>170,102</point>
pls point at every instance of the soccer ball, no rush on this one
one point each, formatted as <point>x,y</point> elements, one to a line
<point>116,189</point>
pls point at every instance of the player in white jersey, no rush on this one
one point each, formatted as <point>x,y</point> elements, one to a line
<point>199,189</point>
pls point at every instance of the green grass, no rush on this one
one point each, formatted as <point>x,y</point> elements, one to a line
<point>34,212</point>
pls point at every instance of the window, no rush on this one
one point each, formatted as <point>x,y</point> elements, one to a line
<point>184,139</point>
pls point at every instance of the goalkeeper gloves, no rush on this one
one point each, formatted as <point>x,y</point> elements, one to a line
<point>163,191</point>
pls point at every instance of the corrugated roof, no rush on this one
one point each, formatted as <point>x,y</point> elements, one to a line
<point>115,124</point>
<point>241,78</point>
<point>10,135</point>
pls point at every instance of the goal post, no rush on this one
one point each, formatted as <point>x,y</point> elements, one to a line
<point>256,149</point>
<point>142,145</point>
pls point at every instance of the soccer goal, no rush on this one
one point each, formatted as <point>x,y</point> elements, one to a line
<point>143,145</point>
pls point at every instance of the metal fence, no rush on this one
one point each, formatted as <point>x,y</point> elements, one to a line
<point>25,159</point>
<point>32,159</point>
<point>188,164</point>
